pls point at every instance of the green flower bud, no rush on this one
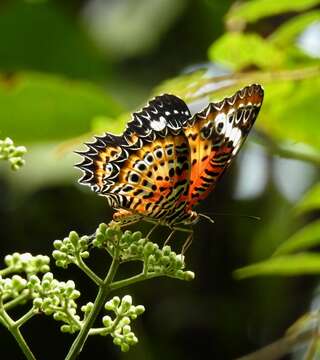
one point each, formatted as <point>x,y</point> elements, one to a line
<point>133,249</point>
<point>139,309</point>
<point>166,250</point>
<point>74,238</point>
<point>189,275</point>
<point>125,347</point>
<point>85,254</point>
<point>65,328</point>
<point>48,276</point>
<point>126,329</point>
<point>110,233</point>
<point>102,228</point>
<point>117,341</point>
<point>125,304</point>
<point>57,244</point>
<point>125,321</point>
<point>165,260</point>
<point>152,260</point>
<point>136,236</point>
<point>37,303</point>
<point>149,248</point>
<point>107,321</point>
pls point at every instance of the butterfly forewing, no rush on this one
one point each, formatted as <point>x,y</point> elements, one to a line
<point>215,136</point>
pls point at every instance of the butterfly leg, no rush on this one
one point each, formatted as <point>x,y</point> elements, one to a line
<point>187,243</point>
<point>188,240</point>
<point>169,237</point>
<point>128,223</point>
<point>152,230</point>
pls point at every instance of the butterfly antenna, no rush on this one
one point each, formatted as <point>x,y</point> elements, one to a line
<point>207,217</point>
<point>251,217</point>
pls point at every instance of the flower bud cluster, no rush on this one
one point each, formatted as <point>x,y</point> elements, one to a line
<point>160,261</point>
<point>12,287</point>
<point>68,250</point>
<point>57,298</point>
<point>27,263</point>
<point>133,246</point>
<point>119,327</point>
<point>12,153</point>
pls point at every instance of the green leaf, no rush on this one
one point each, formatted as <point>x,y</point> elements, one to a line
<point>305,238</point>
<point>291,111</point>
<point>287,33</point>
<point>290,265</point>
<point>44,37</point>
<point>251,11</point>
<point>238,51</point>
<point>37,107</point>
<point>310,201</point>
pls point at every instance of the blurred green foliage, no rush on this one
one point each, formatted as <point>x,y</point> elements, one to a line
<point>44,105</point>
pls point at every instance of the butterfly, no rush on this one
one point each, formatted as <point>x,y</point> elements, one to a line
<point>167,161</point>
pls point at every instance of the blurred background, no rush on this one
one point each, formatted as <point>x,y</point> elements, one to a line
<point>72,69</point>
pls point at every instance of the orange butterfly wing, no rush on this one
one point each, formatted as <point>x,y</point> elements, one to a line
<point>215,136</point>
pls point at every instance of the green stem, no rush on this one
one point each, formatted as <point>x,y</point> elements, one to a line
<point>6,271</point>
<point>279,348</point>
<point>134,279</point>
<point>98,331</point>
<point>24,318</point>
<point>289,152</point>
<point>100,300</point>
<point>13,327</point>
<point>17,301</point>
<point>85,268</point>
<point>22,343</point>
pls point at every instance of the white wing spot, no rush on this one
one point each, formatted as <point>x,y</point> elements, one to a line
<point>159,125</point>
<point>220,119</point>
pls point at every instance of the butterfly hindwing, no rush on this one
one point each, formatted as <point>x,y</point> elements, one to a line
<point>146,170</point>
<point>215,136</point>
<point>155,178</point>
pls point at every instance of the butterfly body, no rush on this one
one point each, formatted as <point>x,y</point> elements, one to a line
<point>167,161</point>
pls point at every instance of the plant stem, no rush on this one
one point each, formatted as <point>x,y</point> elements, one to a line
<point>100,300</point>
<point>6,271</point>
<point>85,268</point>
<point>279,348</point>
<point>16,301</point>
<point>25,317</point>
<point>22,343</point>
<point>13,327</point>
<point>288,152</point>
<point>125,282</point>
